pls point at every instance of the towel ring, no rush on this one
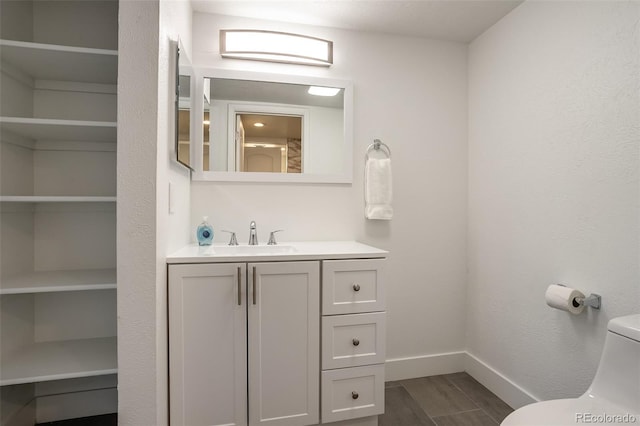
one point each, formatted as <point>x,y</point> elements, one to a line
<point>378,145</point>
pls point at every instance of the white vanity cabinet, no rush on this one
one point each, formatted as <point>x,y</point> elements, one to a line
<point>285,335</point>
<point>236,323</point>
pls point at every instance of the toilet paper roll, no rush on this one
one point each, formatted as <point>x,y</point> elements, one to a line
<point>563,298</point>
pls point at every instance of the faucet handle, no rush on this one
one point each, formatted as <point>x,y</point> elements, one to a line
<point>272,237</point>
<point>233,241</point>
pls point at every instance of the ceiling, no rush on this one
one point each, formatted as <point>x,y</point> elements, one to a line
<point>455,20</point>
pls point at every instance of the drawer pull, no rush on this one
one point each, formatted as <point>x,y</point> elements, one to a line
<point>356,287</point>
<point>354,395</point>
<point>355,342</point>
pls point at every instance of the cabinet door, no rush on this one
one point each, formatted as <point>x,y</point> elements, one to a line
<point>284,336</point>
<point>207,344</point>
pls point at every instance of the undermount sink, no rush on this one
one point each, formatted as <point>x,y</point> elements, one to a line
<point>243,250</point>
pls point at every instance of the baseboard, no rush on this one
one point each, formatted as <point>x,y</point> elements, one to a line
<point>497,383</point>
<point>424,365</point>
<point>453,362</point>
<point>77,404</point>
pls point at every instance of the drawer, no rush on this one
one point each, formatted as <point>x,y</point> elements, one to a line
<point>352,286</point>
<point>348,393</point>
<point>353,340</point>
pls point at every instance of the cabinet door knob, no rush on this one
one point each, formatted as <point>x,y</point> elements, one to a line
<point>354,395</point>
<point>355,342</point>
<point>356,287</point>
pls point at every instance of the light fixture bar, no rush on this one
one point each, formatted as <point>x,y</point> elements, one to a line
<point>273,46</point>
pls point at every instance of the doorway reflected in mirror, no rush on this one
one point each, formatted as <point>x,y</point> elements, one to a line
<point>269,143</point>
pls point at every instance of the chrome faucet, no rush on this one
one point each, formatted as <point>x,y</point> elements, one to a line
<point>253,235</point>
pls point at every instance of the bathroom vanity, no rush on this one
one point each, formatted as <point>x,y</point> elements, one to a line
<point>287,335</point>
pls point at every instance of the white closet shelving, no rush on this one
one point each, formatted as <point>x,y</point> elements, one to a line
<point>61,63</point>
<point>55,281</point>
<point>44,361</point>
<point>58,131</point>
<point>54,199</point>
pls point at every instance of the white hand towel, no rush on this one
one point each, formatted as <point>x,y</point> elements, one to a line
<point>377,189</point>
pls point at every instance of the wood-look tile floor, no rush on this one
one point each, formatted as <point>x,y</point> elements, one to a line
<point>448,400</point>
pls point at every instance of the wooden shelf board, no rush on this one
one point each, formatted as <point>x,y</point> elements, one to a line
<point>62,63</point>
<point>53,281</point>
<point>59,360</point>
<point>55,199</point>
<point>61,130</point>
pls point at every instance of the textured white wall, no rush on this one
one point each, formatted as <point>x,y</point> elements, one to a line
<point>146,231</point>
<point>554,110</point>
<point>136,211</point>
<point>172,228</point>
<point>411,93</point>
<point>175,22</point>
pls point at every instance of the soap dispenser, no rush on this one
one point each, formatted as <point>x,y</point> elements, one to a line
<point>205,233</point>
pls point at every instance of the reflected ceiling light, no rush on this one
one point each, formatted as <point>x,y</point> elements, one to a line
<point>260,145</point>
<point>274,46</point>
<point>323,91</point>
<point>258,124</point>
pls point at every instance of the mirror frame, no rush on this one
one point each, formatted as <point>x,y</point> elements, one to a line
<point>218,176</point>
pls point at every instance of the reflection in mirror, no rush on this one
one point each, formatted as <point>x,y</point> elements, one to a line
<point>205,146</point>
<point>184,120</point>
<point>269,143</point>
<point>184,77</point>
<point>272,127</point>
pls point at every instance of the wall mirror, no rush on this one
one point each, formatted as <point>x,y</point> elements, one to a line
<point>268,128</point>
<point>184,88</point>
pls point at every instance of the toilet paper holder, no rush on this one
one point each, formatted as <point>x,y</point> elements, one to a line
<point>593,300</point>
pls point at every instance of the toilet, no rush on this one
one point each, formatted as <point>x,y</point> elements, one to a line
<point>614,395</point>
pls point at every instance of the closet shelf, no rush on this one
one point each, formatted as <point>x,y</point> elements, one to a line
<point>63,63</point>
<point>53,281</point>
<point>58,360</point>
<point>61,130</point>
<point>54,199</point>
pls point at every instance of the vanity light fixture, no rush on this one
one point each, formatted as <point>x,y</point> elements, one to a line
<point>323,91</point>
<point>274,46</point>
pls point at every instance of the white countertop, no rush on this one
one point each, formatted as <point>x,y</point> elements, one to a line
<point>284,251</point>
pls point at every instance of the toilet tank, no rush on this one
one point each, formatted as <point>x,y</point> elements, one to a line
<point>617,380</point>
